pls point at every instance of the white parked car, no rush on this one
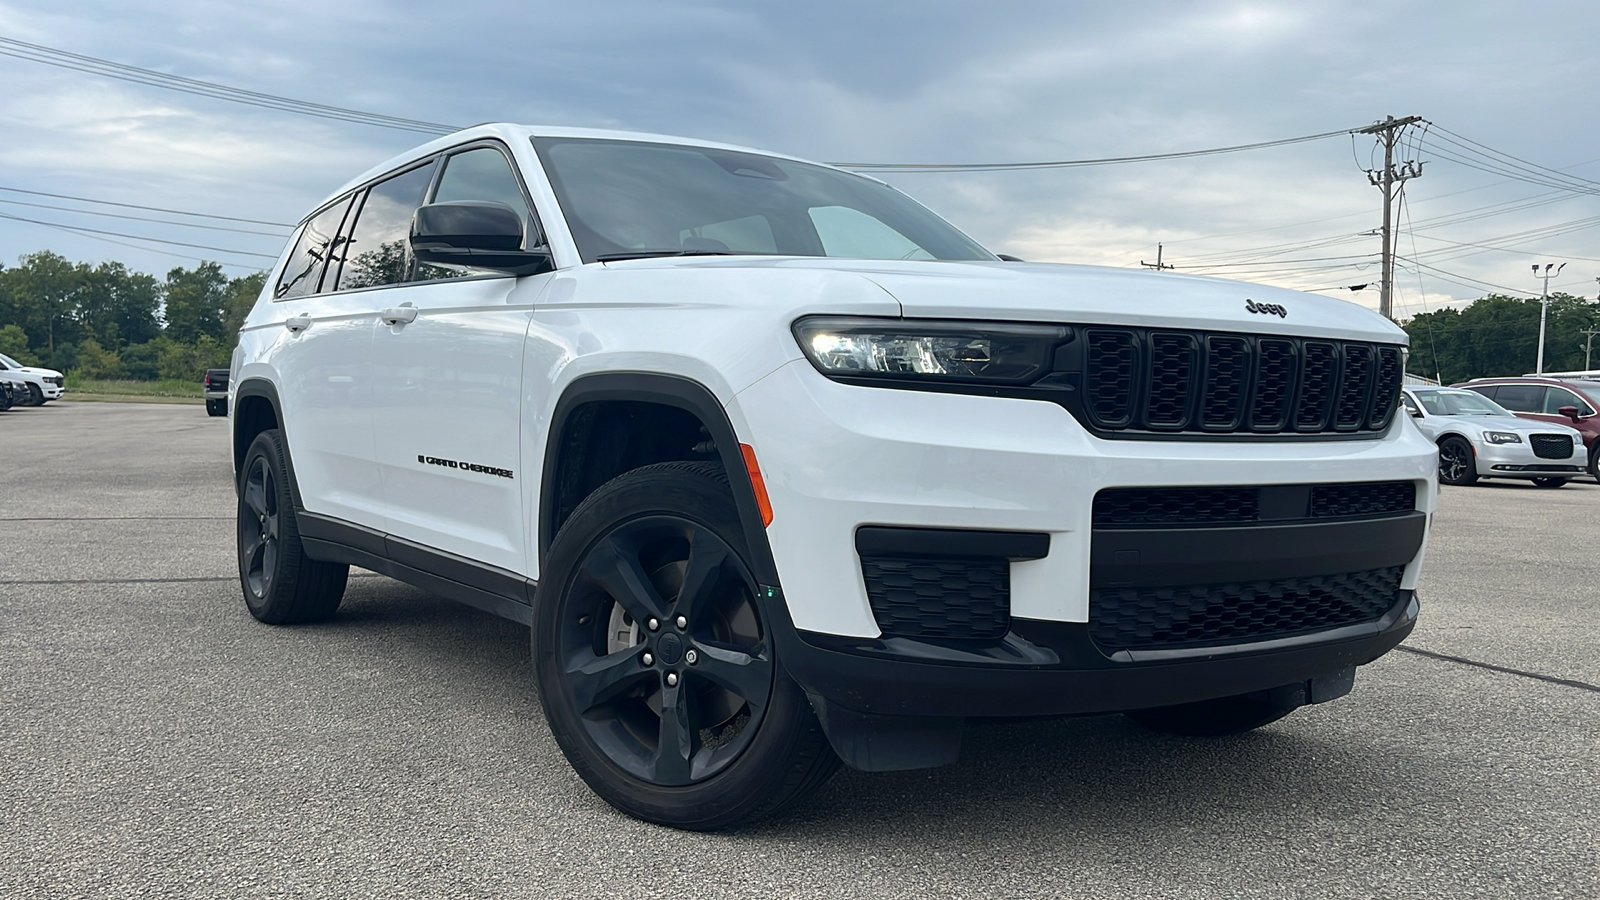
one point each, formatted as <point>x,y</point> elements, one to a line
<point>783,469</point>
<point>1478,438</point>
<point>40,385</point>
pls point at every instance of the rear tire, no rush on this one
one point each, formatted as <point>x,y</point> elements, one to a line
<point>1220,717</point>
<point>702,745</point>
<point>216,407</point>
<point>1550,482</point>
<point>281,585</point>
<point>1457,463</point>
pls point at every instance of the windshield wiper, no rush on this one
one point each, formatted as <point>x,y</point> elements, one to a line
<point>652,254</point>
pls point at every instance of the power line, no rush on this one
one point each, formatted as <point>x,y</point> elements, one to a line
<point>110,215</point>
<point>137,237</point>
<point>78,62</point>
<point>1076,163</point>
<point>176,212</point>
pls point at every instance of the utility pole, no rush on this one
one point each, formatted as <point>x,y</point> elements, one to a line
<point>1544,307</point>
<point>1157,264</point>
<point>1389,132</point>
<point>1588,344</point>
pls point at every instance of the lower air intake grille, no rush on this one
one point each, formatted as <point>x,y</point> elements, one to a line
<point>1551,446</point>
<point>1368,498</point>
<point>1164,618</point>
<point>1154,507</point>
<point>962,598</point>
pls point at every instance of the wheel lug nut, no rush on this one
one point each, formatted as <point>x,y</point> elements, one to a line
<point>649,660</point>
<point>691,657</point>
<point>672,679</point>
<point>654,624</point>
<point>683,622</point>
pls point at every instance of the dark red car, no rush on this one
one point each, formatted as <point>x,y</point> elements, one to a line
<point>1568,401</point>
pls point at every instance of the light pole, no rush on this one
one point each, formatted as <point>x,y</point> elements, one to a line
<point>1544,306</point>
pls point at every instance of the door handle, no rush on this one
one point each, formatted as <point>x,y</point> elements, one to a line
<point>403,314</point>
<point>297,324</point>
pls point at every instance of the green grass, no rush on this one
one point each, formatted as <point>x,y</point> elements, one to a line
<point>96,388</point>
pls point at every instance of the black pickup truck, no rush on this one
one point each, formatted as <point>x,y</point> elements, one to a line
<point>216,382</point>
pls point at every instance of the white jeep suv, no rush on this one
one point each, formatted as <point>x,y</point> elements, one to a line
<point>783,469</point>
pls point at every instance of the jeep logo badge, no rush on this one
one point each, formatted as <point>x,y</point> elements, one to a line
<point>1266,309</point>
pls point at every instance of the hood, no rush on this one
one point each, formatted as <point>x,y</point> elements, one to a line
<point>1072,294</point>
<point>35,370</point>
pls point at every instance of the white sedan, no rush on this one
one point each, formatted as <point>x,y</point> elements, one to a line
<point>1478,438</point>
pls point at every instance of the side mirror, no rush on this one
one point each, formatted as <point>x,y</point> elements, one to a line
<point>475,233</point>
<point>1416,414</point>
<point>1570,412</point>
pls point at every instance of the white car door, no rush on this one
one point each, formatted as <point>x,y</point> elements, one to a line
<point>448,386</point>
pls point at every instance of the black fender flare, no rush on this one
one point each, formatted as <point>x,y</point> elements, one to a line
<point>667,390</point>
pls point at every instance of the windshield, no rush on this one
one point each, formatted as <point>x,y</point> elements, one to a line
<point>11,363</point>
<point>1459,403</point>
<point>626,200</point>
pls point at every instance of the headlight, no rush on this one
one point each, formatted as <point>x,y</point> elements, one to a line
<point>1502,437</point>
<point>929,349</point>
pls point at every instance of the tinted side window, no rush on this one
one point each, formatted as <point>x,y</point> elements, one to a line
<point>1521,397</point>
<point>378,252</point>
<point>1487,391</point>
<point>1555,398</point>
<point>482,173</point>
<point>303,274</point>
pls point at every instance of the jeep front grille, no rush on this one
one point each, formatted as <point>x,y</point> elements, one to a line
<point>1154,381</point>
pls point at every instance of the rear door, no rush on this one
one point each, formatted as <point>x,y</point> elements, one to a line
<point>323,356</point>
<point>448,375</point>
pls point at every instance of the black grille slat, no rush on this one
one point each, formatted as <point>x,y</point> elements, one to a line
<point>1227,375</point>
<point>959,598</point>
<point>1551,446</point>
<point>1172,379</point>
<point>1319,383</point>
<point>1363,499</point>
<point>1385,388</point>
<point>1111,357</point>
<point>1276,379</point>
<point>1161,618</point>
<point>1355,391</point>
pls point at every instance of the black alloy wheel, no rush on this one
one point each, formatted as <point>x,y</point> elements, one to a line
<point>1457,462</point>
<point>665,660</point>
<point>1550,482</point>
<point>281,584</point>
<point>656,670</point>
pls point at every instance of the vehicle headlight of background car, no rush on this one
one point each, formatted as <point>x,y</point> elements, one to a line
<point>1502,437</point>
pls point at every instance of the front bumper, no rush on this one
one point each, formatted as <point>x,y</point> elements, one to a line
<point>1519,461</point>
<point>838,457</point>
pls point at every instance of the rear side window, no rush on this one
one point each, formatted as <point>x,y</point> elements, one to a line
<point>1527,398</point>
<point>378,252</point>
<point>482,173</point>
<point>303,274</point>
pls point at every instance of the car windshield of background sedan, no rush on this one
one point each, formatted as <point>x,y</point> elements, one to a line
<point>1459,403</point>
<point>632,200</point>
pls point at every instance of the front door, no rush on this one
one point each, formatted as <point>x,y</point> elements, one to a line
<point>447,363</point>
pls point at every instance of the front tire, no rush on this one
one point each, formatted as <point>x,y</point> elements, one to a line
<point>1220,717</point>
<point>1457,463</point>
<point>35,395</point>
<point>282,585</point>
<point>656,665</point>
<point>1550,482</point>
<point>1594,462</point>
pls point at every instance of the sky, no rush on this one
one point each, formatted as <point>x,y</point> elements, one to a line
<point>922,82</point>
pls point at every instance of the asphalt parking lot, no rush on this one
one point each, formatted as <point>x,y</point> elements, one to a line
<point>157,741</point>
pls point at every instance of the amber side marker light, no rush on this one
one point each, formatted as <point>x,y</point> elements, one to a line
<point>758,483</point>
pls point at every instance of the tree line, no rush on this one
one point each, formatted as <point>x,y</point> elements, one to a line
<point>107,321</point>
<point>1499,335</point>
